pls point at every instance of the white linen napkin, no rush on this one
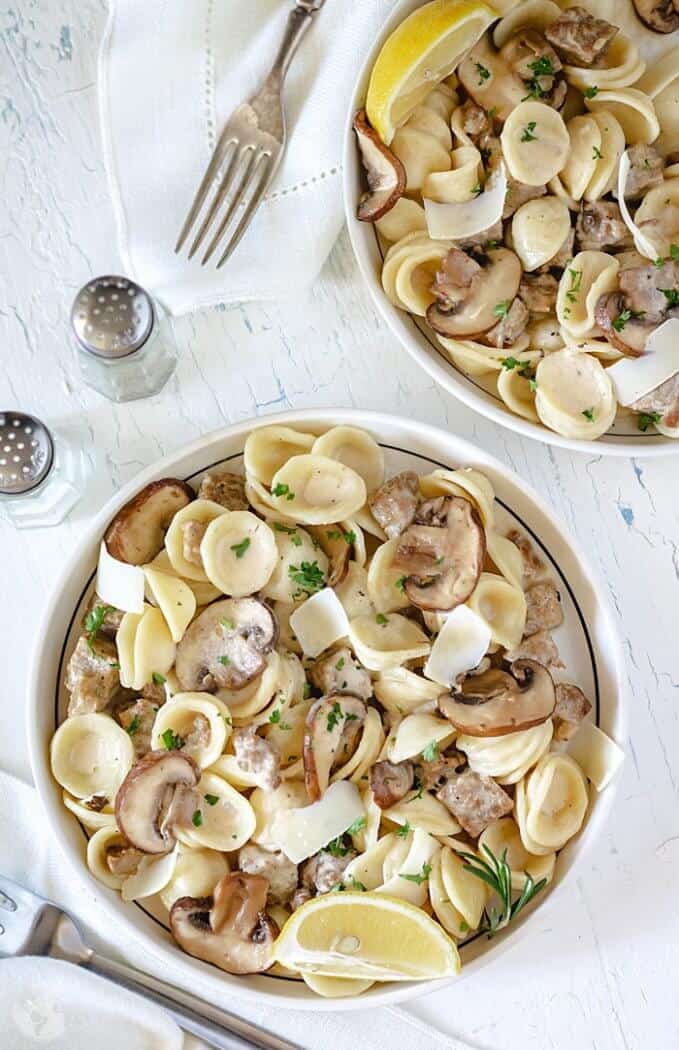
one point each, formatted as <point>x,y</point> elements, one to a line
<point>44,1000</point>
<point>169,77</point>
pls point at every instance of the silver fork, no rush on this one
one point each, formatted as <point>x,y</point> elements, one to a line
<point>31,925</point>
<point>248,152</point>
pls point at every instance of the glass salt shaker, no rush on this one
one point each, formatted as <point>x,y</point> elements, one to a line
<point>124,340</point>
<point>42,472</point>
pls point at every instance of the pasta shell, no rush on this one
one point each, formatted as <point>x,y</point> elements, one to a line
<point>446,913</point>
<point>96,855</point>
<point>356,449</point>
<point>623,66</point>
<point>401,884</point>
<point>516,392</point>
<point>268,448</point>
<point>227,824</point>
<point>632,109</point>
<point>244,703</point>
<point>468,483</point>
<point>94,819</point>
<point>657,216</point>
<point>458,184</point>
<point>323,490</point>
<point>551,803</point>
<point>425,812</point>
<point>420,152</point>
<point>154,650</point>
<point>196,873</point>
<point>387,641</point>
<point>539,228</point>
<point>151,876</point>
<point>91,755</point>
<point>504,835</point>
<point>353,593</point>
<point>535,143</point>
<point>506,557</point>
<point>574,394</point>
<point>291,794</point>
<point>611,149</point>
<point>203,591</point>
<point>507,758</point>
<point>385,587</point>
<point>368,867</point>
<point>239,553</point>
<point>661,83</point>
<point>201,512</point>
<point>538,14</point>
<point>405,217</point>
<point>125,636</point>
<point>584,280</point>
<point>174,598</point>
<point>402,692</point>
<point>502,606</point>
<point>415,733</point>
<point>476,359</point>
<point>294,546</point>
<point>366,753</point>
<point>466,893</point>
<point>204,723</point>
<point>585,150</point>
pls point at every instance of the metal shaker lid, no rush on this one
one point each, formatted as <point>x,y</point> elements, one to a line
<point>112,316</point>
<point>26,453</point>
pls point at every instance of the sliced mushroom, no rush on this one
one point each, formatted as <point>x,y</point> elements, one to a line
<point>626,333</point>
<point>390,782</point>
<point>580,38</point>
<point>231,929</point>
<point>475,801</point>
<point>476,310</point>
<point>257,756</point>
<point>224,488</point>
<point>338,672</point>
<point>274,866</point>
<point>332,728</point>
<point>226,646</point>
<point>394,503</point>
<point>137,533</point>
<point>442,554</point>
<point>661,16</point>
<point>156,795</point>
<point>538,292</point>
<point>644,289</point>
<point>384,171</point>
<point>92,675</point>
<point>497,702</point>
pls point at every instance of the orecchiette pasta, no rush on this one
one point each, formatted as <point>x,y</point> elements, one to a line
<point>215,760</point>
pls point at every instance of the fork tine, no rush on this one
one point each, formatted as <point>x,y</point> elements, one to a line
<point>237,199</point>
<point>218,199</point>
<point>248,213</point>
<point>211,172</point>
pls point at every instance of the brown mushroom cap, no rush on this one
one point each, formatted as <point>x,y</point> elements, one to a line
<point>496,283</point>
<point>631,339</point>
<point>384,171</point>
<point>231,929</point>
<point>496,703</point>
<point>137,533</point>
<point>661,16</point>
<point>443,560</point>
<point>332,727</point>
<point>390,782</point>
<point>226,646</point>
<point>155,795</point>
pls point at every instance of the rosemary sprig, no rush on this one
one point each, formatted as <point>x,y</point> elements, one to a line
<point>497,874</point>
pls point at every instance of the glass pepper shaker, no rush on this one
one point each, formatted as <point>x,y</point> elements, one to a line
<point>42,472</point>
<point>124,340</point>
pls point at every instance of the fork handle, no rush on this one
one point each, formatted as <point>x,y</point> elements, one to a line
<point>215,1026</point>
<point>297,25</point>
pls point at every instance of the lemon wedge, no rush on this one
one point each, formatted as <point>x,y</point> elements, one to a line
<point>422,50</point>
<point>366,936</point>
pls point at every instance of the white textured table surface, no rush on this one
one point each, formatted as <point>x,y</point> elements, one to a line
<point>603,972</point>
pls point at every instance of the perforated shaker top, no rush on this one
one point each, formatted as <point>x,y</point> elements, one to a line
<point>26,453</point>
<point>112,316</point>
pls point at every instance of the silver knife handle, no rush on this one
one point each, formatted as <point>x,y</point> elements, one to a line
<point>217,1027</point>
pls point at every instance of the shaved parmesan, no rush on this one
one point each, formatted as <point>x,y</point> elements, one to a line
<point>302,832</point>
<point>119,584</point>
<point>642,243</point>
<point>319,622</point>
<point>598,756</point>
<point>460,646</point>
<point>633,377</point>
<point>174,598</point>
<point>457,221</point>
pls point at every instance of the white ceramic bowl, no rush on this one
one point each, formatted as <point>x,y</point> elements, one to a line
<point>624,439</point>
<point>587,641</point>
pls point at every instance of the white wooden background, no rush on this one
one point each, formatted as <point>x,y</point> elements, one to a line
<point>602,975</point>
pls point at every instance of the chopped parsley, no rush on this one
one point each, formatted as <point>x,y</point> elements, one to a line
<point>275,719</point>
<point>502,309</point>
<point>337,847</point>
<point>596,153</point>
<point>333,719</point>
<point>340,887</point>
<point>542,67</point>
<point>158,678</point>
<point>430,752</point>
<point>588,413</point>
<point>211,800</point>
<point>306,692</point>
<point>404,831</point>
<point>337,534</point>
<point>134,725</point>
<point>225,660</point>
<point>464,927</point>
<point>357,826</point>
<point>576,281</point>
<point>659,262</point>
<point>644,421</point>
<point>340,663</point>
<point>527,135</point>
<point>308,576</point>
<point>532,383</point>
<point>239,549</point>
<point>484,74</point>
<point>172,740</point>
<point>292,532</point>
<point>674,252</point>
<point>490,246</point>
<point>509,363</point>
<point>492,111</point>
<point>671,294</point>
<point>400,584</point>
<point>591,92</point>
<point>626,315</point>
<point>229,624</point>
<point>381,619</point>
<point>477,190</point>
<point>197,818</point>
<point>283,490</point>
<point>94,621</point>
<point>419,879</point>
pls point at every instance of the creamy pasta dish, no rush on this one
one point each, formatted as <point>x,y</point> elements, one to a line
<point>320,716</point>
<point>525,192</point>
